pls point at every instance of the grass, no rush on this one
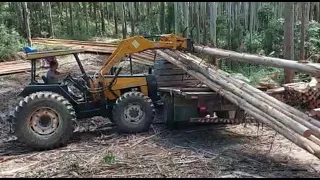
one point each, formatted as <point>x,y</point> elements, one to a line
<point>109,158</point>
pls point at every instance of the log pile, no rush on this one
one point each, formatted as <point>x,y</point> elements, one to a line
<point>303,94</point>
<point>12,67</point>
<point>286,120</point>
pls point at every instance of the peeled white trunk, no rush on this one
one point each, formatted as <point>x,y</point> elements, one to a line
<point>311,68</point>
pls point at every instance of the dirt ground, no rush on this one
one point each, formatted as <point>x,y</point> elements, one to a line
<point>97,150</point>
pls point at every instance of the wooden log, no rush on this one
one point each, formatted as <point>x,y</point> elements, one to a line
<point>299,128</point>
<point>276,90</point>
<point>270,61</point>
<point>315,112</point>
<point>285,131</point>
<point>288,110</point>
<point>298,124</point>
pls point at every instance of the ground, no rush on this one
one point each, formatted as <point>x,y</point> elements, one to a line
<point>97,150</point>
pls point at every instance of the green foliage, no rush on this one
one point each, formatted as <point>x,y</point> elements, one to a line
<point>265,15</point>
<point>10,42</point>
<point>109,158</point>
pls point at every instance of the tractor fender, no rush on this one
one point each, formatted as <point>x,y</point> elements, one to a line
<point>60,89</point>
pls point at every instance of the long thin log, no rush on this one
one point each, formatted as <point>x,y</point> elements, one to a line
<point>266,98</point>
<point>292,136</point>
<point>260,96</point>
<point>270,61</point>
<point>299,128</point>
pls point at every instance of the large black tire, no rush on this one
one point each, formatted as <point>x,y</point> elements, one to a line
<point>146,107</point>
<point>44,102</point>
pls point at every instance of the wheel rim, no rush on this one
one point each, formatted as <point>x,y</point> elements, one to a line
<point>44,121</point>
<point>133,113</point>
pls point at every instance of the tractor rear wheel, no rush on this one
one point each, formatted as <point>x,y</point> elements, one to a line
<point>133,112</point>
<point>44,120</point>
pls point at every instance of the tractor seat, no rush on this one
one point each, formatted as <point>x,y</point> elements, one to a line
<point>45,80</point>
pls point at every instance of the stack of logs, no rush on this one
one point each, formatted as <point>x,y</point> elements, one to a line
<point>288,121</point>
<point>306,94</point>
<point>302,94</point>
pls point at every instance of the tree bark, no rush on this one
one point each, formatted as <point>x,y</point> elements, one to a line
<point>123,21</point>
<point>175,5</point>
<point>115,17</point>
<point>162,17</point>
<point>95,15</point>
<point>197,21</point>
<point>86,16</point>
<point>288,39</point>
<point>302,30</point>
<point>71,19</point>
<point>132,16</point>
<point>213,19</point>
<point>311,68</point>
<point>26,21</point>
<point>251,24</point>
<point>51,34</point>
<point>103,26</point>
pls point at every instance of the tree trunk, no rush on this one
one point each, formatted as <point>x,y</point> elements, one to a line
<point>51,34</point>
<point>115,19</point>
<point>186,19</point>
<point>229,24</point>
<point>197,21</point>
<point>136,8</point>
<point>213,19</point>
<point>103,26</point>
<point>60,14</point>
<point>251,25</point>
<point>302,34</point>
<point>162,17</point>
<point>86,16</point>
<point>132,15</point>
<point>123,20</point>
<point>306,29</point>
<point>78,15</point>
<point>26,22</point>
<point>204,22</point>
<point>71,19</point>
<point>21,21</point>
<point>311,68</point>
<point>288,39</point>
<point>95,16</point>
<point>175,5</point>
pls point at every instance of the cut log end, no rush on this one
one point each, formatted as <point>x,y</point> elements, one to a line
<point>307,133</point>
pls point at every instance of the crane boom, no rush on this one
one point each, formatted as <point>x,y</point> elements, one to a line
<point>139,43</point>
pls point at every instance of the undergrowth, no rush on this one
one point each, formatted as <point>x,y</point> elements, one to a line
<point>10,43</point>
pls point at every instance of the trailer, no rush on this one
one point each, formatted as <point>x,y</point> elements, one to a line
<point>186,100</point>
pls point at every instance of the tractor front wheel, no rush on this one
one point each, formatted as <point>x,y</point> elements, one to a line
<point>133,112</point>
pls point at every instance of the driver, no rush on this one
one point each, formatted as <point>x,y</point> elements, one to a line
<point>53,75</point>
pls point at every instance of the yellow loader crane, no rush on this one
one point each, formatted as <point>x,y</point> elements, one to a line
<point>45,118</point>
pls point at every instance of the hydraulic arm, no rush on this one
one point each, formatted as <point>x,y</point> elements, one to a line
<point>138,44</point>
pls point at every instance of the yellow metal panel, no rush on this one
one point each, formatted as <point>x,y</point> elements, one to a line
<point>144,90</point>
<point>126,82</point>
